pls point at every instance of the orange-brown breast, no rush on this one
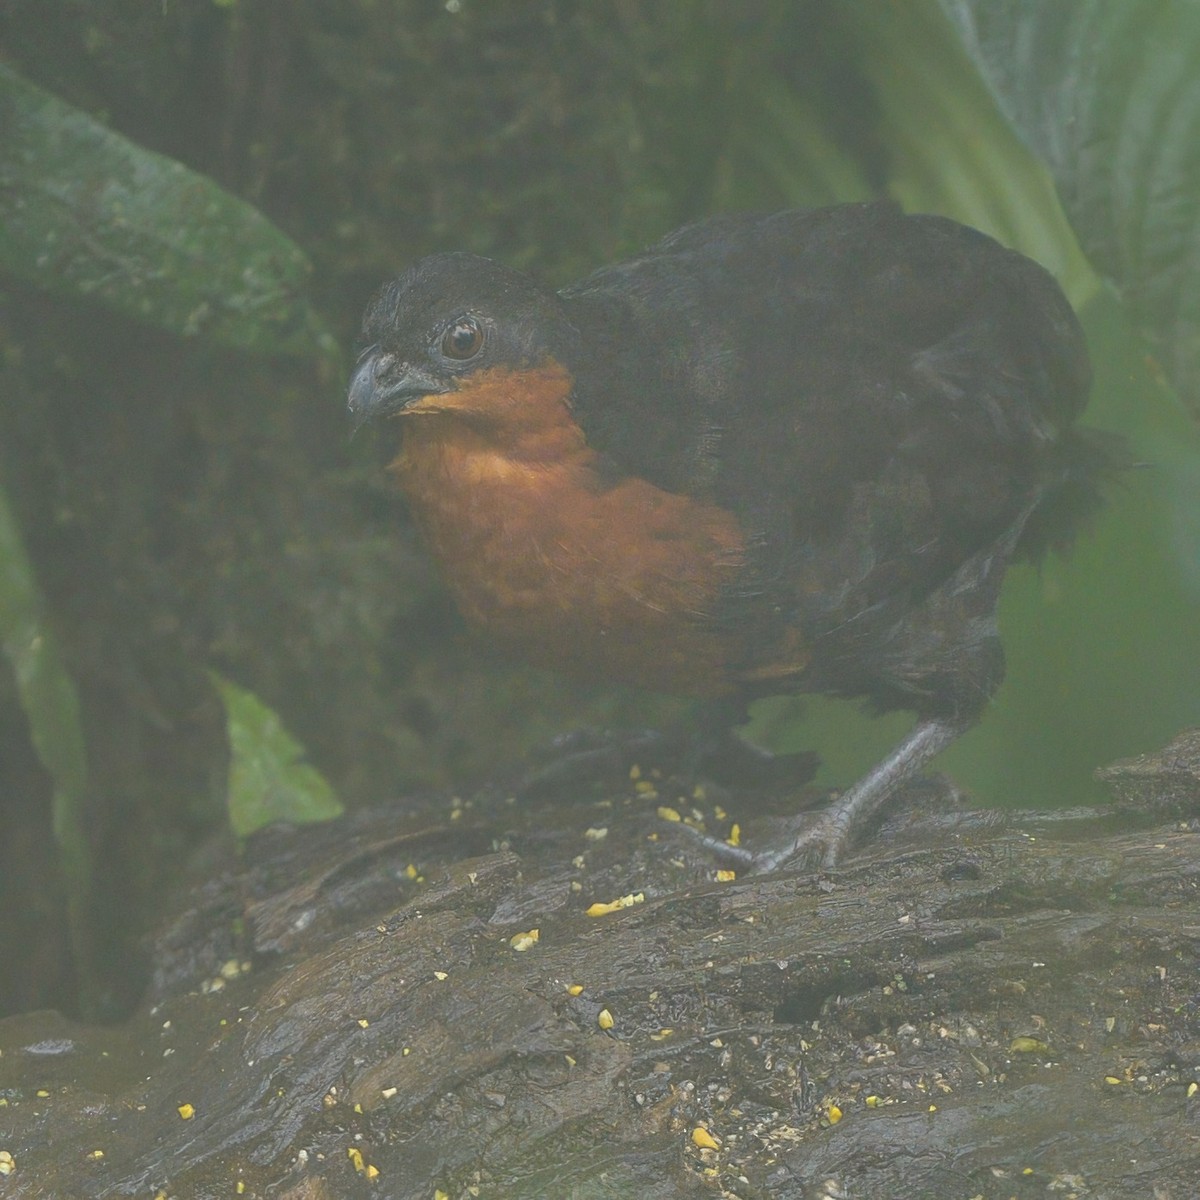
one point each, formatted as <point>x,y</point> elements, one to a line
<point>613,581</point>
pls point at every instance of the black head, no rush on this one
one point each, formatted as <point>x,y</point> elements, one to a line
<point>446,318</point>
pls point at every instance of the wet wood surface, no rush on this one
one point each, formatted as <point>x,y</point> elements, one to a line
<point>973,1005</point>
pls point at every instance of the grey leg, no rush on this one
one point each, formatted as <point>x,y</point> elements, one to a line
<point>835,828</point>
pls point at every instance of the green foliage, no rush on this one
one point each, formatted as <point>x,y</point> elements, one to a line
<point>951,151</point>
<point>51,707</point>
<point>1106,95</point>
<point>86,213</point>
<point>745,109</point>
<point>840,103</point>
<point>268,779</point>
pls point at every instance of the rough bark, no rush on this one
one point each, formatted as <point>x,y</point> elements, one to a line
<point>971,1006</point>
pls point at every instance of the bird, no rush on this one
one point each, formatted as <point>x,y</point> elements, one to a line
<point>773,453</point>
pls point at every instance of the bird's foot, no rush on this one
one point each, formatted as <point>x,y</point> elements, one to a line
<point>817,847</point>
<point>830,832</point>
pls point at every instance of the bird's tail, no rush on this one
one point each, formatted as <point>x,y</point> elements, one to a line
<point>1086,465</point>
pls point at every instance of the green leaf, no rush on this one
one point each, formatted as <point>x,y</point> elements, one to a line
<point>268,779</point>
<point>951,151</point>
<point>779,149</point>
<point>86,213</point>
<point>51,705</point>
<point>1107,95</point>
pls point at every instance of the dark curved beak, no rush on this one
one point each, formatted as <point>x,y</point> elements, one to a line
<point>383,385</point>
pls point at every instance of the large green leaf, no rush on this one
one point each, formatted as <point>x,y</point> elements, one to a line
<point>951,151</point>
<point>51,706</point>
<point>86,213</point>
<point>1108,96</point>
<point>269,780</point>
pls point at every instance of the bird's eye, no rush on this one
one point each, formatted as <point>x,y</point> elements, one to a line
<point>463,339</point>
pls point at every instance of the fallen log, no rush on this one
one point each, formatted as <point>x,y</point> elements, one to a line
<point>414,1002</point>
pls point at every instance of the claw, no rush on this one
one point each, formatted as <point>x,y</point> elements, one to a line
<point>834,829</point>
